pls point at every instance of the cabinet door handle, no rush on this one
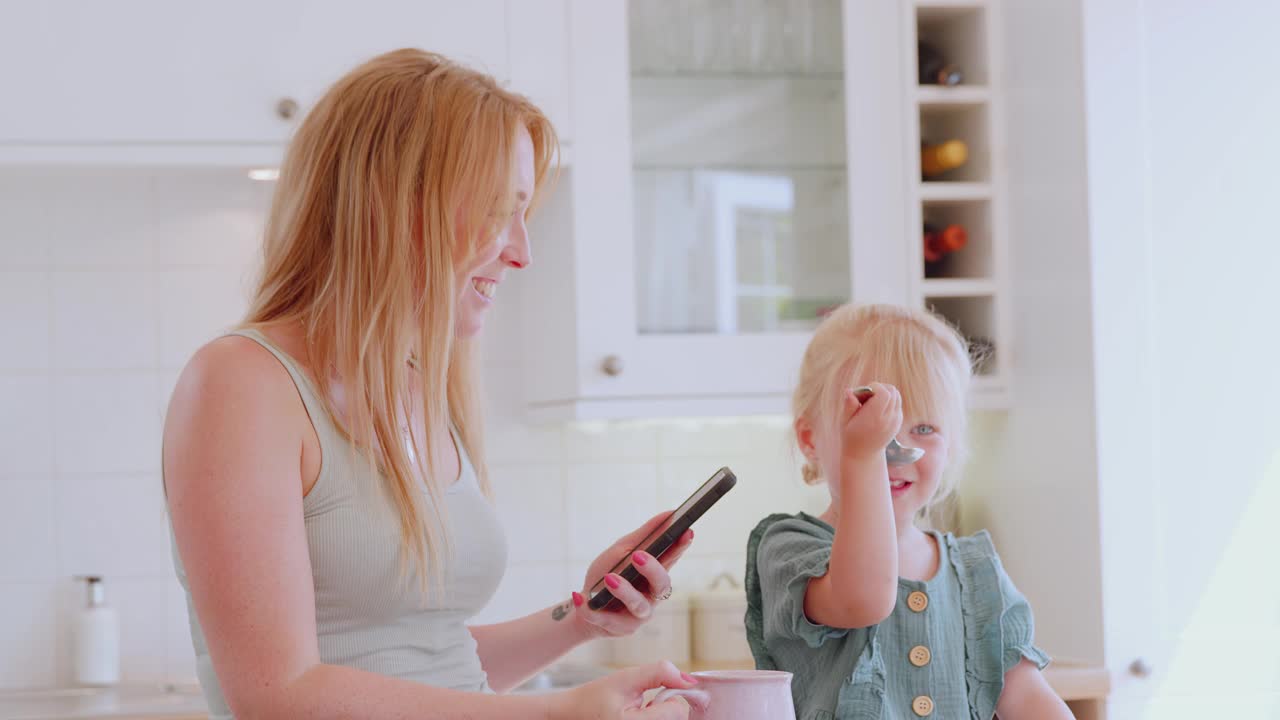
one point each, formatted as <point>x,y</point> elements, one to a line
<point>612,366</point>
<point>287,108</point>
<point>1140,668</point>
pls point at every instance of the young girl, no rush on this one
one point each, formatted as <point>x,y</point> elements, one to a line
<point>875,617</point>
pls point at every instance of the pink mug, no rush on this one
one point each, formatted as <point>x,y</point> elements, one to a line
<point>737,695</point>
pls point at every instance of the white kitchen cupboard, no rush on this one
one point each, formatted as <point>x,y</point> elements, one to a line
<point>737,167</point>
<point>153,81</point>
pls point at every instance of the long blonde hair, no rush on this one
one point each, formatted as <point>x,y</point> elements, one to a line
<point>399,169</point>
<point>914,350</point>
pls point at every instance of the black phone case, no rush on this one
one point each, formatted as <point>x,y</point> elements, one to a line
<point>664,541</point>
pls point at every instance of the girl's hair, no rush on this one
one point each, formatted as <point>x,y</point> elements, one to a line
<point>403,168</point>
<point>914,350</point>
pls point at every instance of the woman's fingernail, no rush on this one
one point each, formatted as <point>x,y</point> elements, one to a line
<point>638,558</point>
<point>689,678</point>
<point>690,533</point>
<point>578,599</point>
<point>612,581</point>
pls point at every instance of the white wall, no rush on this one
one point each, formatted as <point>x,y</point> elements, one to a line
<point>1182,198</point>
<point>109,279</point>
<point>1033,480</point>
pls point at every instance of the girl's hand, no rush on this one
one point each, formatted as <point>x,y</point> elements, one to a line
<point>621,695</point>
<point>637,604</point>
<point>868,427</point>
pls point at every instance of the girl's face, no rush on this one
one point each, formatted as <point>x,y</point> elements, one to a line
<point>913,486</point>
<point>910,486</point>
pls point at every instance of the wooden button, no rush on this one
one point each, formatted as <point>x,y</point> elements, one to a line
<point>919,656</point>
<point>917,601</point>
<point>923,706</point>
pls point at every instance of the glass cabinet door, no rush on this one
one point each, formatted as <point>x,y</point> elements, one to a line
<point>740,198</point>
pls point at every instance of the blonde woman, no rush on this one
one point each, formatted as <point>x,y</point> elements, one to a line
<point>323,465</point>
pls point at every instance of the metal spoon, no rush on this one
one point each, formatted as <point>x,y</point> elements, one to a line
<point>895,453</point>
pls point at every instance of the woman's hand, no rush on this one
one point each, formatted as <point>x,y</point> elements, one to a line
<point>637,603</point>
<point>868,427</point>
<point>621,695</point>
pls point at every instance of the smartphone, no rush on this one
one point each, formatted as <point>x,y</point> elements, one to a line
<point>666,535</point>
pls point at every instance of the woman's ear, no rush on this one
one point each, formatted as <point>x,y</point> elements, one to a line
<point>804,439</point>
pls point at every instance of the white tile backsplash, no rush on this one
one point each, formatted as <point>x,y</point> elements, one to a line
<point>102,306</point>
<point>531,504</point>
<point>527,589</point>
<point>112,525</point>
<point>27,542</point>
<point>196,306</point>
<point>26,424</point>
<point>25,308</point>
<point>29,635</point>
<point>105,320</point>
<point>607,501</point>
<point>107,422</point>
<point>24,226</point>
<point>605,442</point>
<point>717,438</point>
<point>102,219</point>
<point>143,607</point>
<point>214,220</point>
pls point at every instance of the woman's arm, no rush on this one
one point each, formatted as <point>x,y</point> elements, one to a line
<point>1027,696</point>
<point>232,454</point>
<point>513,651</point>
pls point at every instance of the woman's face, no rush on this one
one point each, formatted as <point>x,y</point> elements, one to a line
<point>480,275</point>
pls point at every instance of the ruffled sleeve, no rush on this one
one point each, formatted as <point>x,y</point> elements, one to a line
<point>1017,625</point>
<point>998,625</point>
<point>784,553</point>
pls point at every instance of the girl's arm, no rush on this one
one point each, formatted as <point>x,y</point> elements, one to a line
<point>513,651</point>
<point>1027,696</point>
<point>861,584</point>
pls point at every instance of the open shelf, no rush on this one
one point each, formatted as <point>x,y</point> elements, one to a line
<point>967,287</point>
<point>975,318</point>
<point>976,259</point>
<point>958,31</point>
<point>936,97</point>
<point>941,192</point>
<point>954,288</point>
<point>967,123</point>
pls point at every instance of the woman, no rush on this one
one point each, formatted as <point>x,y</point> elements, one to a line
<point>323,464</point>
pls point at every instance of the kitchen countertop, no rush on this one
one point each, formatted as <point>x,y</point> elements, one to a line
<point>184,702</point>
<point>152,702</point>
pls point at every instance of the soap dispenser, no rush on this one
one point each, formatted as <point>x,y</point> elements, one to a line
<point>97,638</point>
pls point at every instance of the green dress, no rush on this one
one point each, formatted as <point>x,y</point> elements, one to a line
<point>942,654</point>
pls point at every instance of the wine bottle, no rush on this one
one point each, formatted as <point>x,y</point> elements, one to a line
<point>937,159</point>
<point>939,243</point>
<point>934,68</point>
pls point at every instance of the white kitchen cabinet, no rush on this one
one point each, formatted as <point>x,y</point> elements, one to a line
<point>224,83</point>
<point>737,168</point>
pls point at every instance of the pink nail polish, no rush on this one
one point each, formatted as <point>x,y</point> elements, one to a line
<point>638,559</point>
<point>578,599</point>
<point>612,581</point>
